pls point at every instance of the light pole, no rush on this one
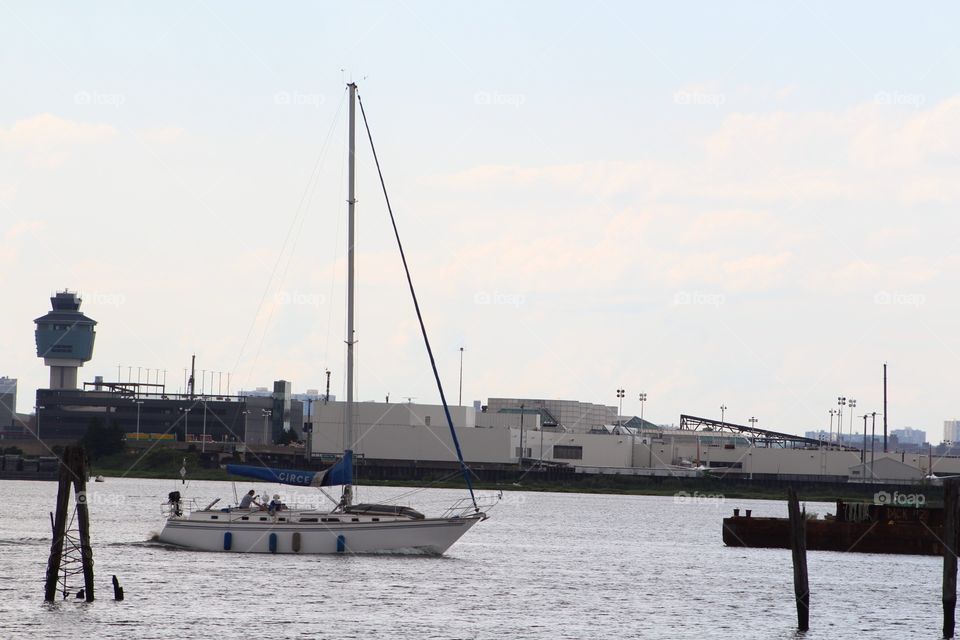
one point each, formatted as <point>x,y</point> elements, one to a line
<point>863,452</point>
<point>460,402</point>
<point>852,404</point>
<point>203,437</point>
<point>643,400</point>
<point>723,413</point>
<point>36,410</point>
<point>830,440</point>
<point>186,423</point>
<point>138,403</point>
<point>245,413</point>
<point>266,425</point>
<point>873,440</point>
<point>520,461</point>
<point>620,394</point>
<point>841,403</point>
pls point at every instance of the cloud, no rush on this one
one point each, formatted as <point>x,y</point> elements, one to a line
<point>47,130</point>
<point>45,140</point>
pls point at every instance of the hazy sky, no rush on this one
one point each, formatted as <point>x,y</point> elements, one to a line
<point>748,204</point>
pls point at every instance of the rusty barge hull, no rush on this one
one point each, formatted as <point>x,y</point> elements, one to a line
<point>892,537</point>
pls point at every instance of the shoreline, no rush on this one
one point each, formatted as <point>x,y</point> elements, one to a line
<point>692,489</point>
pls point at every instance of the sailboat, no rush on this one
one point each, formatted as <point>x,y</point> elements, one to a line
<point>348,527</point>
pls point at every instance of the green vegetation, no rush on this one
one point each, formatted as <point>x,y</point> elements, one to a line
<point>158,462</point>
<point>101,441</point>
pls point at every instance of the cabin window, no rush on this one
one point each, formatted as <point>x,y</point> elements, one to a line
<point>262,519</point>
<point>244,517</point>
<point>214,517</point>
<point>329,519</point>
<point>567,452</point>
<point>376,519</point>
<point>308,519</point>
<point>355,519</point>
<point>283,519</point>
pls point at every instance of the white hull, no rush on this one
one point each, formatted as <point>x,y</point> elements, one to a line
<point>427,536</point>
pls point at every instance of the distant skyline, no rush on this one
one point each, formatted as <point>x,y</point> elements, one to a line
<point>748,205</point>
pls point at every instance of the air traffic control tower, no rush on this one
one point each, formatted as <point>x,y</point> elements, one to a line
<point>64,339</point>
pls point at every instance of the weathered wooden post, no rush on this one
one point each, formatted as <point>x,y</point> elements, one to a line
<point>83,518</point>
<point>59,527</point>
<point>950,486</point>
<point>798,545</point>
<point>73,470</point>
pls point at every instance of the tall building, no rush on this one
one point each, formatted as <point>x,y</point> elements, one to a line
<point>8,401</point>
<point>910,436</point>
<point>64,339</point>
<point>951,430</point>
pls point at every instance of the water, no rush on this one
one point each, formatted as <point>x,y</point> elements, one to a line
<point>545,565</point>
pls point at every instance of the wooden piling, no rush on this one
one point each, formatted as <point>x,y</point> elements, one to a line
<point>83,518</point>
<point>950,493</point>
<point>73,470</point>
<point>59,526</point>
<point>798,545</point>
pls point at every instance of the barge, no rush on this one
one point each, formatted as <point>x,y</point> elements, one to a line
<point>856,527</point>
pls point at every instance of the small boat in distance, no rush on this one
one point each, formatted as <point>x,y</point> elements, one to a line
<point>348,527</point>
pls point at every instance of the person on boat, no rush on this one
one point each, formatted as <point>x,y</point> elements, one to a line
<point>246,500</point>
<point>275,504</point>
<point>264,502</point>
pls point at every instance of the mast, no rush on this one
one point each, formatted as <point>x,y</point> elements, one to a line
<point>347,498</point>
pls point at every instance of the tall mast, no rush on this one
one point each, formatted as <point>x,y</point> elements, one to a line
<point>347,497</point>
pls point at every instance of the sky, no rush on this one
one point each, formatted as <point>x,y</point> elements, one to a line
<point>750,205</point>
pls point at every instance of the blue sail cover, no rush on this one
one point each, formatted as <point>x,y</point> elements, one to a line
<point>340,473</point>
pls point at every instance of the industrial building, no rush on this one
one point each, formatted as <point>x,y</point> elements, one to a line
<point>145,411</point>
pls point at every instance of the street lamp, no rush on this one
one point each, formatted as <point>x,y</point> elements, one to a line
<point>203,438</point>
<point>841,403</point>
<point>620,394</point>
<point>723,412</point>
<point>830,440</point>
<point>186,423</point>
<point>36,410</point>
<point>266,425</point>
<point>852,404</point>
<point>460,402</point>
<point>138,403</point>
<point>753,421</point>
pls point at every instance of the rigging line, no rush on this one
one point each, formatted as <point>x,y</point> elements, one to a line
<point>416,305</point>
<point>276,264</point>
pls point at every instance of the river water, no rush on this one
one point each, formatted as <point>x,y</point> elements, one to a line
<point>545,565</point>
